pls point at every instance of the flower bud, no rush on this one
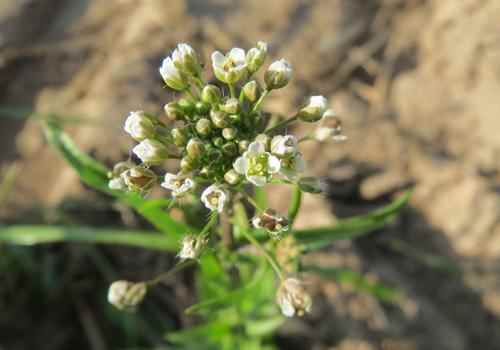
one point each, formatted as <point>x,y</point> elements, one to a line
<point>231,106</point>
<point>272,222</point>
<point>264,139</point>
<point>292,298</point>
<point>115,180</point>
<point>211,94</point>
<point>139,179</point>
<point>243,146</point>
<point>151,151</point>
<point>232,177</point>
<point>234,118</point>
<point>311,185</point>
<point>255,57</point>
<point>187,165</point>
<point>186,60</point>
<point>126,295</point>
<point>218,141</point>
<point>173,111</point>
<point>219,119</point>
<point>139,126</point>
<point>203,126</point>
<point>314,110</point>
<point>251,91</point>
<point>172,76</point>
<point>187,106</point>
<point>278,74</point>
<point>230,149</point>
<point>202,108</point>
<point>179,137</point>
<point>229,133</point>
<point>195,148</point>
<point>284,145</point>
<point>192,247</point>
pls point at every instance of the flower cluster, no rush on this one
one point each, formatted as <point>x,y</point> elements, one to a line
<point>223,141</point>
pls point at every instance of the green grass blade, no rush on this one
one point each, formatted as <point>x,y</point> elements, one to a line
<point>40,234</point>
<point>357,280</point>
<point>94,174</point>
<point>317,238</point>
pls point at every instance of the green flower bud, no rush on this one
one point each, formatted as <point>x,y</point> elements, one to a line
<point>234,118</point>
<point>205,171</point>
<point>126,295</point>
<point>231,106</point>
<point>179,137</point>
<point>218,141</point>
<point>232,177</point>
<point>219,119</point>
<point>139,179</point>
<point>251,91</point>
<point>211,94</point>
<point>230,149</point>
<point>187,165</point>
<point>186,60</point>
<point>243,146</point>
<point>229,133</point>
<point>203,126</point>
<point>187,106</point>
<point>151,151</point>
<point>314,110</point>
<point>202,108</point>
<point>255,57</point>
<point>278,74</point>
<point>195,148</point>
<point>264,139</point>
<point>173,111</point>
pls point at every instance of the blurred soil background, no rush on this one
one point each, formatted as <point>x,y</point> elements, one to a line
<point>417,83</point>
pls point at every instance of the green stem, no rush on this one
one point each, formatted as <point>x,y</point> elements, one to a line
<point>232,90</point>
<point>260,100</point>
<point>306,138</point>
<point>162,277</point>
<point>294,208</point>
<point>254,203</point>
<point>281,125</point>
<point>211,222</point>
<point>268,257</point>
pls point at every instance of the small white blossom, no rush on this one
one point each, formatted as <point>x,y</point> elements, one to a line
<point>292,167</point>
<point>214,198</point>
<point>139,126</point>
<point>292,298</point>
<point>150,151</point>
<point>231,67</point>
<point>185,59</point>
<point>278,74</point>
<point>126,295</point>
<point>179,185</point>
<point>314,110</point>
<point>284,146</point>
<point>172,76</point>
<point>256,164</point>
<point>191,247</point>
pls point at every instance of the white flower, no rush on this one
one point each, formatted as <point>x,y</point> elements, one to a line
<point>192,246</point>
<point>291,167</point>
<point>151,151</point>
<point>257,164</point>
<point>139,126</point>
<point>172,76</point>
<point>314,110</point>
<point>292,298</point>
<point>126,295</point>
<point>179,185</point>
<point>284,146</point>
<point>214,198</point>
<point>231,67</point>
<point>185,59</point>
<point>278,74</point>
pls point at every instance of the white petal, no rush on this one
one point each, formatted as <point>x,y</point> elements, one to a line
<point>241,165</point>
<point>256,222</point>
<point>255,148</point>
<point>273,164</point>
<point>275,143</point>
<point>318,101</point>
<point>237,55</point>
<point>116,184</point>
<point>218,59</point>
<point>287,308</point>
<point>257,180</point>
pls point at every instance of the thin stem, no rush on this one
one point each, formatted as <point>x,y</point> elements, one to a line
<point>268,257</point>
<point>306,138</point>
<point>211,222</point>
<point>190,93</point>
<point>294,208</point>
<point>281,125</point>
<point>257,104</point>
<point>253,203</point>
<point>162,277</point>
<point>232,90</point>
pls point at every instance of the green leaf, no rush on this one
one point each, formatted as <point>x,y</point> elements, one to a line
<point>40,234</point>
<point>94,174</point>
<point>358,281</point>
<point>317,238</point>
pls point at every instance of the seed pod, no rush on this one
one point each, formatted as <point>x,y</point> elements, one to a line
<point>229,133</point>
<point>219,119</point>
<point>211,94</point>
<point>203,126</point>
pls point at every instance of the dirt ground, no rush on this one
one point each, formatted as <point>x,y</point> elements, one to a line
<point>417,83</point>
